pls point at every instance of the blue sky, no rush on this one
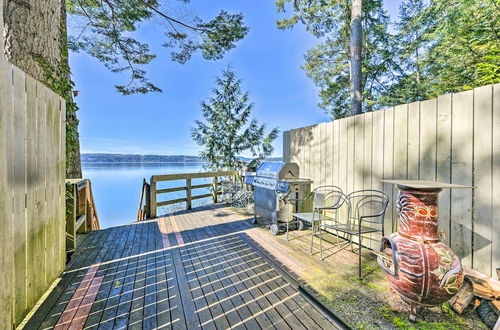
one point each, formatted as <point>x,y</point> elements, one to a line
<point>268,61</point>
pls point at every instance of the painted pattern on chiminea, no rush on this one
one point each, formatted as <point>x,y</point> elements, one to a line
<point>418,265</point>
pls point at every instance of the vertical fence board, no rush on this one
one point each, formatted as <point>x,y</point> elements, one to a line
<point>413,140</point>
<point>41,124</point>
<point>324,154</point>
<point>368,151</point>
<point>316,155</point>
<point>293,146</point>
<point>336,152</point>
<point>33,239</point>
<point>427,166</point>
<point>62,178</point>
<point>495,237</point>
<point>50,192</point>
<point>299,149</point>
<point>328,153</point>
<point>350,154</point>
<point>6,209</point>
<point>343,155</point>
<point>318,147</point>
<point>366,169</point>
<point>401,146</point>
<point>20,230</point>
<point>461,173</point>
<point>443,160</point>
<point>358,157</point>
<point>389,165</point>
<point>483,175</point>
<point>378,150</point>
<point>400,156</point>
<point>305,152</point>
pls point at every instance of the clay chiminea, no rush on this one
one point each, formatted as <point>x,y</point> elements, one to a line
<point>422,269</point>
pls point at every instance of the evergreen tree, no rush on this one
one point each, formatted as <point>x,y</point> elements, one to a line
<point>228,130</point>
<point>445,46</point>
<point>328,63</point>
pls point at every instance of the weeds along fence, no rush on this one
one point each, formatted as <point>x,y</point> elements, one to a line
<point>454,138</point>
<point>32,191</point>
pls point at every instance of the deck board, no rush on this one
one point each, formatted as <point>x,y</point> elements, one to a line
<point>191,270</point>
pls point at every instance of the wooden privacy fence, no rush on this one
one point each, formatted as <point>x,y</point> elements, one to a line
<point>454,138</point>
<point>81,213</point>
<point>151,192</point>
<point>32,192</point>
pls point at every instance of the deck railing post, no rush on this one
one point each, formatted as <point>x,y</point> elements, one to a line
<point>188,194</point>
<point>71,206</point>
<point>214,189</point>
<point>87,207</point>
<point>152,208</point>
<point>147,204</point>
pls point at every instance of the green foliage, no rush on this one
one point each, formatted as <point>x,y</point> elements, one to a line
<point>108,33</point>
<point>228,130</point>
<point>328,63</point>
<point>438,47</point>
<point>445,46</point>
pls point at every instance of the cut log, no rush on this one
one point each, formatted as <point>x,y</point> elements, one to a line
<point>484,286</point>
<point>496,303</point>
<point>463,298</point>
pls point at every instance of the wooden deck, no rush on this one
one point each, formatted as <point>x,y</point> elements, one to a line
<point>197,269</point>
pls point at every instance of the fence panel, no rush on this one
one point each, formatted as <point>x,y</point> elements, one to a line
<point>454,138</point>
<point>32,193</point>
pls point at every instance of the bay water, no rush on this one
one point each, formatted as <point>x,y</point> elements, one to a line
<point>117,188</point>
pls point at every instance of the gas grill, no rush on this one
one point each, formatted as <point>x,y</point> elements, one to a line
<point>273,183</point>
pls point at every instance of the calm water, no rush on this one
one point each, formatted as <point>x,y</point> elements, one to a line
<point>117,187</point>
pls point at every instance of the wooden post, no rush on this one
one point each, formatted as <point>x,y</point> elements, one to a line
<point>188,194</point>
<point>147,205</point>
<point>152,208</point>
<point>214,189</point>
<point>71,220</point>
<point>88,207</point>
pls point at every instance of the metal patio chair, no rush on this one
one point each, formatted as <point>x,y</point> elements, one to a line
<point>366,208</point>
<point>324,198</point>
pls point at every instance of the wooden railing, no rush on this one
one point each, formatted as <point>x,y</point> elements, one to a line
<point>149,203</point>
<point>143,212</point>
<point>81,213</point>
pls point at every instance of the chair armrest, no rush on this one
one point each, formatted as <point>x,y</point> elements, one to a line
<point>362,218</point>
<point>371,216</point>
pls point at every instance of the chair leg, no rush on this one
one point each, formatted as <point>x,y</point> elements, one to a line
<point>359,258</point>
<point>320,243</point>
<point>312,237</point>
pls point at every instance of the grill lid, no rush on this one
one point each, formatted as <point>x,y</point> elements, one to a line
<point>278,170</point>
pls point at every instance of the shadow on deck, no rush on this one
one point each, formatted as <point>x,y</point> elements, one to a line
<point>198,269</point>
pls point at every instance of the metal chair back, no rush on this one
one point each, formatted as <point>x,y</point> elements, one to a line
<point>327,196</point>
<point>367,206</point>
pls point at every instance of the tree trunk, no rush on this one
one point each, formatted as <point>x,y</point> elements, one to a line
<point>36,42</point>
<point>356,48</point>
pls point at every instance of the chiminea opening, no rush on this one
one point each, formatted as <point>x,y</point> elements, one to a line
<point>387,257</point>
